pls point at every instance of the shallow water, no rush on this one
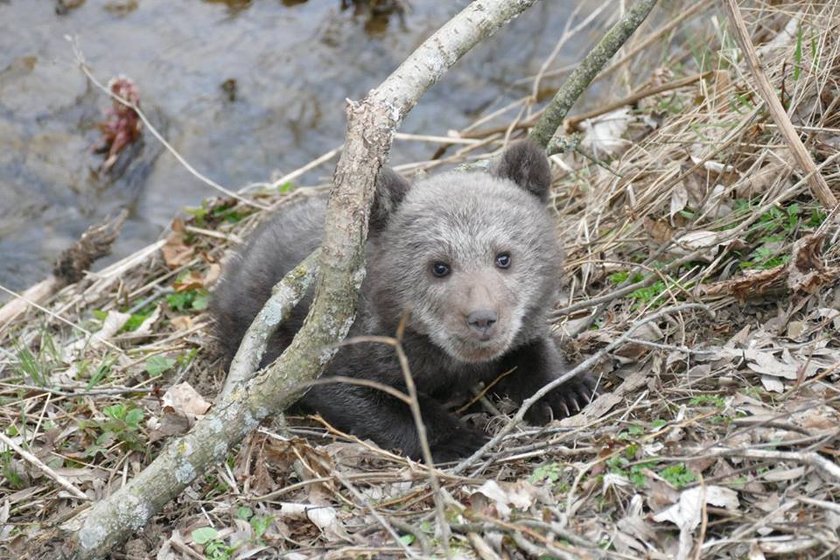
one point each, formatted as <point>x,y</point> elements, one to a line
<point>293,62</point>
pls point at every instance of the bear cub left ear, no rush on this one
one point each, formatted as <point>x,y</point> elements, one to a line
<point>526,164</point>
<point>391,188</point>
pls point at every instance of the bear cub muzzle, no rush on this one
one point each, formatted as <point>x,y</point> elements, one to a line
<point>468,262</point>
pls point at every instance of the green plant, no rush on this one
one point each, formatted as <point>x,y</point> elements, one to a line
<point>214,548</point>
<point>10,472</point>
<point>549,472</point>
<point>101,372</point>
<point>797,55</point>
<point>122,423</point>
<point>195,300</point>
<point>260,524</point>
<point>226,211</point>
<point>706,400</point>
<point>37,367</point>
<point>634,472</point>
<point>157,365</point>
<point>678,475</point>
<point>136,319</point>
<point>286,187</point>
<point>621,276</point>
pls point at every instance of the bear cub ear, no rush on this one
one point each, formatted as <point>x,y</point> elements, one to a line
<point>391,188</point>
<point>526,164</point>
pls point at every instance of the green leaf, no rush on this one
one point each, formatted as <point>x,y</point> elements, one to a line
<point>260,524</point>
<point>200,302</point>
<point>134,417</point>
<point>156,365</point>
<point>204,535</point>
<point>115,411</point>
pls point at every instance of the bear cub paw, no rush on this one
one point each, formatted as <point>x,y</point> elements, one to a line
<point>566,400</point>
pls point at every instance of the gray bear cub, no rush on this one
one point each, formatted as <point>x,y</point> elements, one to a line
<point>469,260</point>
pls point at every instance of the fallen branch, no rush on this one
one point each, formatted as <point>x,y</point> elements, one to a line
<point>284,297</point>
<point>370,130</point>
<point>572,123</point>
<point>43,467</point>
<point>810,458</point>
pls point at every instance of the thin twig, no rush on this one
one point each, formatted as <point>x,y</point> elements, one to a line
<point>44,468</point>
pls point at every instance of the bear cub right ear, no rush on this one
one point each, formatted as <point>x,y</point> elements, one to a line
<point>391,188</point>
<point>526,164</point>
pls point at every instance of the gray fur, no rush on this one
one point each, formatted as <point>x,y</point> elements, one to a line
<point>463,219</point>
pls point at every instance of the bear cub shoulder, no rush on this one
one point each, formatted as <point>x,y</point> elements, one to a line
<point>469,261</point>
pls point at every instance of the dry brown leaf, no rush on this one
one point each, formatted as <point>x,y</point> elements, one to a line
<point>603,136</point>
<point>659,230</point>
<point>807,271</point>
<point>506,496</point>
<point>176,252</point>
<point>679,200</point>
<point>181,322</point>
<point>183,399</point>
<point>113,322</point>
<point>323,517</point>
<point>193,280</point>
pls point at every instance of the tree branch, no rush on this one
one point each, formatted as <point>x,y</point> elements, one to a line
<point>586,71</point>
<point>284,297</point>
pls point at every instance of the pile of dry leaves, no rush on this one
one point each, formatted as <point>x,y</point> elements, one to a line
<point>717,428</point>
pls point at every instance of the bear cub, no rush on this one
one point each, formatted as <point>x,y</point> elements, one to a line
<point>470,262</point>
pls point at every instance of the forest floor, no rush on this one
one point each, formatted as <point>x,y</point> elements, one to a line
<point>716,431</point>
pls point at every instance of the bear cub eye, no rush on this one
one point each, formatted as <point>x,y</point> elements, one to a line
<point>503,260</point>
<point>440,269</point>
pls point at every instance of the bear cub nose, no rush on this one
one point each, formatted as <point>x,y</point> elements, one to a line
<point>482,322</point>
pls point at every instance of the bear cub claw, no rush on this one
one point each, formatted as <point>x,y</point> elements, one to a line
<point>566,400</point>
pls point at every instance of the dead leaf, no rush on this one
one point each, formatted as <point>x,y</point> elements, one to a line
<point>176,252</point>
<point>659,230</point>
<point>183,399</point>
<point>603,136</point>
<point>685,514</point>
<point>323,517</point>
<point>807,271</point>
<point>507,496</point>
<point>181,322</point>
<point>193,280</point>
<point>679,200</point>
<point>113,322</point>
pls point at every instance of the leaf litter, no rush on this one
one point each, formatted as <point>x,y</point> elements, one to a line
<point>712,438</point>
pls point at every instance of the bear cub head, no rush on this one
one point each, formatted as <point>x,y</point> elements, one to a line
<point>470,258</point>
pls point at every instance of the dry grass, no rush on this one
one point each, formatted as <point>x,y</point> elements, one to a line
<point>735,419</point>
